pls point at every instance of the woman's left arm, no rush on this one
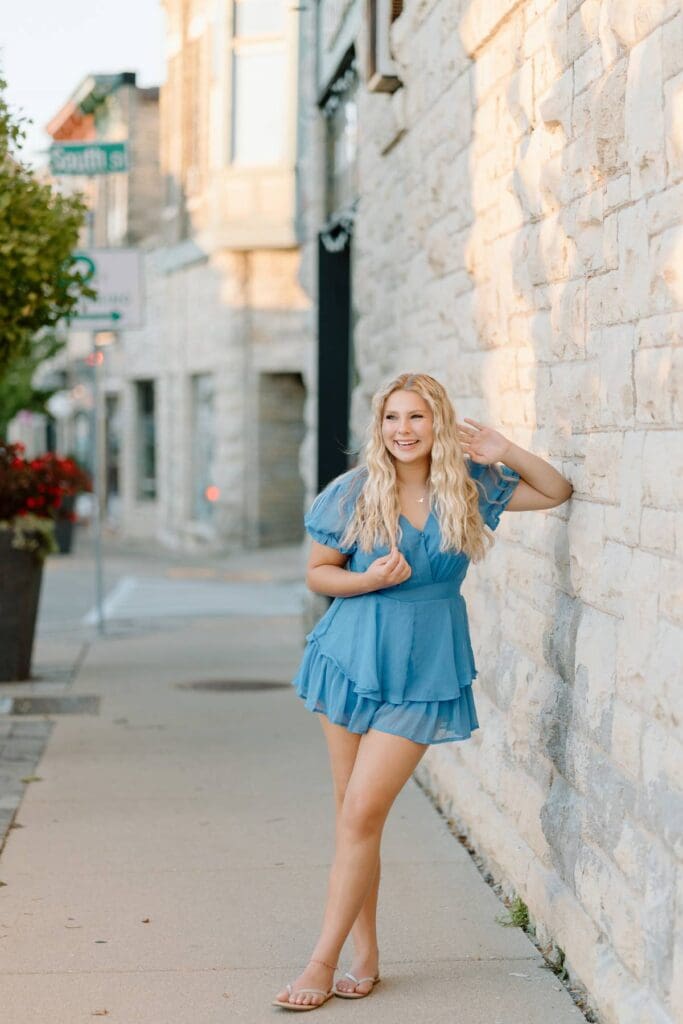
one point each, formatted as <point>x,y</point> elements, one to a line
<point>540,486</point>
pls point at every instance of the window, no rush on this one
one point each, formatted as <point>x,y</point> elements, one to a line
<point>112,443</point>
<point>259,83</point>
<point>145,441</point>
<point>341,114</point>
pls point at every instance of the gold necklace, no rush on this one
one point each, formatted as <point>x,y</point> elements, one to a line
<point>421,500</point>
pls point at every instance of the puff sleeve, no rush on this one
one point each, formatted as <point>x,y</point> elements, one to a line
<point>496,484</point>
<point>330,512</point>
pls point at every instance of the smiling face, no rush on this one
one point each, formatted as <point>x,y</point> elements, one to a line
<point>407,426</point>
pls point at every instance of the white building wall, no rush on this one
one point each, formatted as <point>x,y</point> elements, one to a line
<point>519,236</point>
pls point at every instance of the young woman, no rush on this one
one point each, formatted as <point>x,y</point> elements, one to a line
<point>389,667</point>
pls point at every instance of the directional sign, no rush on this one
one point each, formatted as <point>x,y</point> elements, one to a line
<point>116,275</point>
<point>85,158</point>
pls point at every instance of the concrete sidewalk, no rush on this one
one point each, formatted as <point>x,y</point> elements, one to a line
<point>171,863</point>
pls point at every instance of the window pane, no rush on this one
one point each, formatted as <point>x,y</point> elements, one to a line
<point>259,17</point>
<point>113,443</point>
<point>341,116</point>
<point>341,156</point>
<point>259,105</point>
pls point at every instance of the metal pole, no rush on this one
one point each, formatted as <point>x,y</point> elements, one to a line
<point>98,474</point>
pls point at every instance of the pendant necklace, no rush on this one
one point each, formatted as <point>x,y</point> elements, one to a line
<point>421,500</point>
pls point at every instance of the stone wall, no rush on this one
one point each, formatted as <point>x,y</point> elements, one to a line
<point>519,236</point>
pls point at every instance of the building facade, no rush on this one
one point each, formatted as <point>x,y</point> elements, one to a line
<point>206,403</point>
<point>505,180</point>
<point>220,367</point>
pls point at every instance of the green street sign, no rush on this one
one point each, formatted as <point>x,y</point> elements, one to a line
<point>86,158</point>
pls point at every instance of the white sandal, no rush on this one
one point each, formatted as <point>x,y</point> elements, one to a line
<point>286,1005</point>
<point>304,1006</point>
<point>357,981</point>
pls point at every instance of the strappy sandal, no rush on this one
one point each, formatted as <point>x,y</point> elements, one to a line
<point>286,1005</point>
<point>356,981</point>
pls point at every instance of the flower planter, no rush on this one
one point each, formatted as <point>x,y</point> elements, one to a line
<point>21,574</point>
<point>33,493</point>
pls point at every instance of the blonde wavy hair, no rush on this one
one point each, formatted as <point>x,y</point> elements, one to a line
<point>452,492</point>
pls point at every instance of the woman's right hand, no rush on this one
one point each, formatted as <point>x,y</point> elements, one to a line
<point>387,571</point>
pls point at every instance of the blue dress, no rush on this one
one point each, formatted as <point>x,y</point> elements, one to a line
<point>398,659</point>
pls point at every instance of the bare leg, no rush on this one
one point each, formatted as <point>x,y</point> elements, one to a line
<point>383,765</point>
<point>365,947</point>
<point>343,746</point>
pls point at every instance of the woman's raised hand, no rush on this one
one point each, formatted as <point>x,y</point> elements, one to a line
<point>482,443</point>
<point>388,570</point>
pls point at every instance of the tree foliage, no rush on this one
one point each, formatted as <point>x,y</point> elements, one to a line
<point>39,229</point>
<point>17,392</point>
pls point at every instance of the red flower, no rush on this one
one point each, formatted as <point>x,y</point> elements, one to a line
<point>40,485</point>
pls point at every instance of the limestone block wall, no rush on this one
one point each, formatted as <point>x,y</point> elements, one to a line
<point>520,236</point>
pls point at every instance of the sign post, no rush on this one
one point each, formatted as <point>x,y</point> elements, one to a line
<point>98,475</point>
<point>116,276</point>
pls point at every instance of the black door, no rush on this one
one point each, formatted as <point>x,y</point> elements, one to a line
<point>334,358</point>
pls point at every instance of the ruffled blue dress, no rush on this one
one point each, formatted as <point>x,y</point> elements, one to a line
<point>399,659</point>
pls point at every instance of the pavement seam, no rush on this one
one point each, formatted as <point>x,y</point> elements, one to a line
<point>278,967</point>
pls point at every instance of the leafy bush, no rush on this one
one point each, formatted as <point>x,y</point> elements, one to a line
<point>39,230</point>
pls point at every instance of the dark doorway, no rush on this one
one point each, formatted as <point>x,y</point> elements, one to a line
<point>281,431</point>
